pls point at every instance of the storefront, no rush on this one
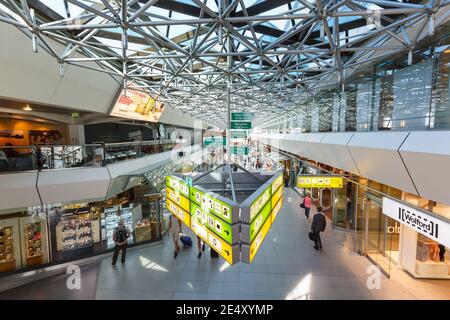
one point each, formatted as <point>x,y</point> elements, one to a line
<point>393,233</point>
<point>63,232</point>
<point>25,133</point>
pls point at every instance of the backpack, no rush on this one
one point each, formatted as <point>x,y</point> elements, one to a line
<point>120,235</point>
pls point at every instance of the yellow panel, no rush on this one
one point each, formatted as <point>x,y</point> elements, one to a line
<point>319,182</point>
<point>276,196</point>
<point>177,198</point>
<point>254,247</point>
<point>184,216</point>
<point>276,209</point>
<point>222,248</point>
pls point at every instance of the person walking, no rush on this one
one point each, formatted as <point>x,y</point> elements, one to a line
<point>200,247</point>
<point>307,203</point>
<point>174,230</point>
<point>318,225</point>
<point>120,237</point>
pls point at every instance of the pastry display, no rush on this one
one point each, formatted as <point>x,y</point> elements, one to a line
<point>6,245</point>
<point>33,242</point>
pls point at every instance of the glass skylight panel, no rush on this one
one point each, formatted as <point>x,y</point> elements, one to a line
<point>57,6</point>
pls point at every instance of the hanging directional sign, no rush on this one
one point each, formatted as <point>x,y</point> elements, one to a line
<point>229,233</point>
<point>178,212</point>
<point>250,231</point>
<point>244,125</point>
<point>239,150</point>
<point>177,184</point>
<point>215,141</point>
<point>320,181</point>
<point>212,204</point>
<point>178,199</point>
<point>242,116</point>
<point>228,252</point>
<point>239,134</point>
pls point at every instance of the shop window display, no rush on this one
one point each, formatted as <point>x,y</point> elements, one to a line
<point>431,254</point>
<point>7,258</point>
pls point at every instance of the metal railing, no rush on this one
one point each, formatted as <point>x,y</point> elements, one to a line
<point>41,157</point>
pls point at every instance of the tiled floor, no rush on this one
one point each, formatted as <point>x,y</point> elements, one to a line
<point>286,267</point>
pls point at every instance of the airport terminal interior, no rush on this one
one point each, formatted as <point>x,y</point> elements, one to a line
<point>225,149</point>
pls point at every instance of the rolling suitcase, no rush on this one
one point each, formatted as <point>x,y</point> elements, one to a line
<point>186,241</point>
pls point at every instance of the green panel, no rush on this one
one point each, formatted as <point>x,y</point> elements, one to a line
<point>242,116</point>
<point>239,150</point>
<point>212,222</point>
<point>241,125</point>
<point>177,184</point>
<point>211,204</point>
<point>217,141</point>
<point>258,204</point>
<point>258,222</point>
<point>240,134</point>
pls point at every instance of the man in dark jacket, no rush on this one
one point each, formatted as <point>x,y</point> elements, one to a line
<point>318,225</point>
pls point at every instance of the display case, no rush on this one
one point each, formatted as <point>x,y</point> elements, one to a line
<point>74,230</point>
<point>143,231</point>
<point>83,229</point>
<point>9,245</point>
<point>112,216</point>
<point>34,239</point>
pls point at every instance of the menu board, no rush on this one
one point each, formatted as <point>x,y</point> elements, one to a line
<point>138,105</point>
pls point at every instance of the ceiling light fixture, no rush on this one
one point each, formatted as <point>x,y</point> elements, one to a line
<point>27,108</point>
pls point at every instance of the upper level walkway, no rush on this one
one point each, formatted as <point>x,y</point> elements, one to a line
<point>286,267</point>
<point>39,175</point>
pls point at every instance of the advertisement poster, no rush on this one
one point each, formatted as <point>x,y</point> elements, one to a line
<point>137,105</point>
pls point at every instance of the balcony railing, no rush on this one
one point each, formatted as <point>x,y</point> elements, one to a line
<point>41,157</point>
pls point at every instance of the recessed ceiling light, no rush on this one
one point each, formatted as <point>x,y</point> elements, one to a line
<point>27,108</point>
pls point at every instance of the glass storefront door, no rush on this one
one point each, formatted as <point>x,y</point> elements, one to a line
<point>381,235</point>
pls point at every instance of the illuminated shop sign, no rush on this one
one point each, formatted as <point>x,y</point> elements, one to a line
<point>418,220</point>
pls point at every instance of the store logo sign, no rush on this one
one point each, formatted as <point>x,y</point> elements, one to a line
<point>433,227</point>
<point>418,222</point>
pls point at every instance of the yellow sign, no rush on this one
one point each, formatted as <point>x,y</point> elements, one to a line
<point>277,183</point>
<point>254,247</point>
<point>184,216</point>
<point>276,209</point>
<point>178,199</point>
<point>306,181</point>
<point>222,248</point>
<point>276,196</point>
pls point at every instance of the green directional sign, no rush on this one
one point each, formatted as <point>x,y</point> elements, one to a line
<point>243,125</point>
<point>242,116</point>
<point>211,204</point>
<point>258,222</point>
<point>215,141</point>
<point>239,150</point>
<point>239,134</point>
<point>213,223</point>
